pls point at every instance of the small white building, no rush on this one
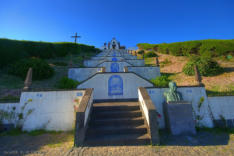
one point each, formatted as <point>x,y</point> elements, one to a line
<point>113,44</point>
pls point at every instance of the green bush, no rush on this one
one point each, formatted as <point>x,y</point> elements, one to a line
<point>187,48</point>
<point>161,81</point>
<point>206,66</point>
<point>66,83</point>
<point>41,69</point>
<point>141,52</point>
<point>150,54</point>
<point>60,63</point>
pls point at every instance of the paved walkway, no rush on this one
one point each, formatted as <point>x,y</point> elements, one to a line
<point>204,143</point>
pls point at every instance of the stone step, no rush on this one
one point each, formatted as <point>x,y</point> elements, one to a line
<point>108,104</point>
<point>115,114</point>
<point>123,129</point>
<point>119,139</point>
<point>116,108</point>
<point>117,122</point>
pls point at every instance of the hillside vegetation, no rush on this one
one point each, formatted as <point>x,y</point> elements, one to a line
<point>214,47</point>
<point>48,60</point>
<point>14,50</point>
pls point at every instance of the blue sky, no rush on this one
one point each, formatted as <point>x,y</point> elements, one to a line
<point>130,21</point>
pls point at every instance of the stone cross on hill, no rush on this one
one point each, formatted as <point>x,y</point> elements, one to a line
<point>75,37</point>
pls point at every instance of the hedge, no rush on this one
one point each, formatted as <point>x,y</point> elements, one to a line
<point>198,47</point>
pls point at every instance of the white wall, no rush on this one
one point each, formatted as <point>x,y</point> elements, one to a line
<point>136,62</point>
<point>222,106</point>
<point>146,72</point>
<point>81,74</point>
<point>9,107</point>
<point>128,56</point>
<point>107,65</point>
<point>92,63</point>
<point>52,110</point>
<point>191,94</point>
<point>131,82</point>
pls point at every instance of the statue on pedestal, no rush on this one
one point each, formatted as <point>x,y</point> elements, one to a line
<point>172,94</point>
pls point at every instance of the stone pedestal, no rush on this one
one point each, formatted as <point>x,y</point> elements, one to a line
<point>179,117</point>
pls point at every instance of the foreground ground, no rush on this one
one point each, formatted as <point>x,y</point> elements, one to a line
<point>204,143</point>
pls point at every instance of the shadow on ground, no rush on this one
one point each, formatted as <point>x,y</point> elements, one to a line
<point>202,138</point>
<point>27,144</point>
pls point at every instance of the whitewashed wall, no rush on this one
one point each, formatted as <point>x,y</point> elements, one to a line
<point>107,58</point>
<point>51,110</point>
<point>146,72</point>
<point>191,94</point>
<point>81,74</point>
<point>9,107</point>
<point>136,62</point>
<point>107,65</point>
<point>222,106</point>
<point>92,63</point>
<point>130,57</point>
<point>131,82</point>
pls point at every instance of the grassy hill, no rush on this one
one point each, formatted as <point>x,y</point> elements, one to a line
<point>57,55</point>
<point>13,50</point>
<point>214,47</point>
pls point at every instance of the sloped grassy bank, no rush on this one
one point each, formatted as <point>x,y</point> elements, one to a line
<point>14,50</point>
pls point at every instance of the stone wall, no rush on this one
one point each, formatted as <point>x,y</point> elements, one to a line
<point>115,86</point>
<point>191,94</point>
<point>81,74</point>
<point>222,109</point>
<point>136,62</point>
<point>108,58</point>
<point>114,66</point>
<point>51,110</point>
<point>92,63</point>
<point>146,72</point>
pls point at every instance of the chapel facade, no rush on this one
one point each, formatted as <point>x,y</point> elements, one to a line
<point>113,44</point>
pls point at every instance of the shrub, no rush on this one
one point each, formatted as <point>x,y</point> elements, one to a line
<point>198,47</point>
<point>161,81</point>
<point>206,66</point>
<point>66,83</point>
<point>60,63</point>
<point>141,52</point>
<point>41,69</point>
<point>151,54</point>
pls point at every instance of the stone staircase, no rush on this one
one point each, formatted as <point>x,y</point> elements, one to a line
<point>117,123</point>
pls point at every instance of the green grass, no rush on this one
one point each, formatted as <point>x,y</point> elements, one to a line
<point>163,80</point>
<point>149,61</point>
<point>17,131</point>
<point>216,130</point>
<point>10,82</point>
<point>14,50</point>
<point>218,91</point>
<point>9,98</point>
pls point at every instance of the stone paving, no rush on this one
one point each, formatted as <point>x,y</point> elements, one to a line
<point>204,143</point>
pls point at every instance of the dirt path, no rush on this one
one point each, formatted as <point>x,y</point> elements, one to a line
<point>204,143</point>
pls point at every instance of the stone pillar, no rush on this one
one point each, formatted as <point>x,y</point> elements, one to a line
<point>103,70</point>
<point>135,53</point>
<point>198,77</point>
<point>156,61</point>
<point>179,117</point>
<point>125,69</point>
<point>28,80</point>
